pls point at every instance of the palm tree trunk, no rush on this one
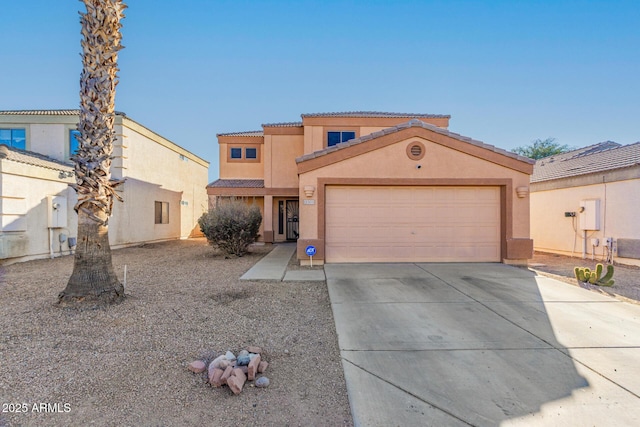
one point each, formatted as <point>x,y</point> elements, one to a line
<point>93,278</point>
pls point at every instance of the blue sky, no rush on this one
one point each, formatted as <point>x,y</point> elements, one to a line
<point>508,72</point>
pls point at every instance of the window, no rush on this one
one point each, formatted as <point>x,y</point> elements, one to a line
<point>74,143</point>
<point>244,153</point>
<point>162,212</point>
<point>250,153</point>
<point>336,137</point>
<point>236,153</point>
<point>15,138</point>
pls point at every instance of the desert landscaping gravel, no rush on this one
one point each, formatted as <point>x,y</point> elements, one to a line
<point>126,365</point>
<point>627,277</point>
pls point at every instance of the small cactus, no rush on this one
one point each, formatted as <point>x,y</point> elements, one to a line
<point>587,275</point>
<point>595,275</point>
<point>607,280</point>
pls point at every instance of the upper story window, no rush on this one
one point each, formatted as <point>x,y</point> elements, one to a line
<point>243,153</point>
<point>15,138</point>
<point>74,143</point>
<point>336,137</point>
<point>251,153</point>
<point>236,153</point>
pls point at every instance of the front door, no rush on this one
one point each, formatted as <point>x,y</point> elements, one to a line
<point>292,220</point>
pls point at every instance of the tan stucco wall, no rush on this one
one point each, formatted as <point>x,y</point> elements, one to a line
<point>392,162</point>
<point>553,232</point>
<point>157,172</point>
<point>315,129</point>
<point>282,170</point>
<point>240,169</point>
<point>442,165</point>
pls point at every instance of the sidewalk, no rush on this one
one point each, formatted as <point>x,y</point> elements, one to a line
<point>274,267</point>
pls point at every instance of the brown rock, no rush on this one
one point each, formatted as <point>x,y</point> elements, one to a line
<point>216,379</point>
<point>253,368</point>
<point>197,366</point>
<point>263,366</point>
<point>210,373</point>
<point>236,381</point>
<point>253,349</point>
<point>227,373</point>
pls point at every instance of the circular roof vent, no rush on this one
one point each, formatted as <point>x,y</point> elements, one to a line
<point>415,150</point>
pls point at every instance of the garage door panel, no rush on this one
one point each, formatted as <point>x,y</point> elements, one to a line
<point>412,224</point>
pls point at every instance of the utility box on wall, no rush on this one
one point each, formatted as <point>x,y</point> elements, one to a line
<point>590,214</point>
<point>56,212</point>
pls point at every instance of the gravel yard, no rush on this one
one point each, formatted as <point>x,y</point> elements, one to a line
<point>127,364</point>
<point>627,277</point>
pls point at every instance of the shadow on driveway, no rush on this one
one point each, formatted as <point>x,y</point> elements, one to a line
<point>481,344</point>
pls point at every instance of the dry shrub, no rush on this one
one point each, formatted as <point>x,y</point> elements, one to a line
<point>231,226</point>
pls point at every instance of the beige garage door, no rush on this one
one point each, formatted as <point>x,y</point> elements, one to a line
<point>412,224</point>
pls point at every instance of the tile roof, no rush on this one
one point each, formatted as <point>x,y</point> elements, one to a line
<point>377,114</point>
<point>31,158</point>
<point>245,133</point>
<point>601,157</point>
<point>406,125</point>
<point>283,125</point>
<point>73,112</point>
<point>237,183</point>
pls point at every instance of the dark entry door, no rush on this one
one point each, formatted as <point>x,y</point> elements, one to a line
<point>292,220</point>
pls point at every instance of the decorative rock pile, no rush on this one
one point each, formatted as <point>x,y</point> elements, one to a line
<point>233,371</point>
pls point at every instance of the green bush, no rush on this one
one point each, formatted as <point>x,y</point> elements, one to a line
<point>231,226</point>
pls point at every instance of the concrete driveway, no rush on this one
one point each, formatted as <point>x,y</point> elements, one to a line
<point>482,345</point>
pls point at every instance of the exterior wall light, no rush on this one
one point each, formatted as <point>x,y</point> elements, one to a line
<point>309,190</point>
<point>522,192</point>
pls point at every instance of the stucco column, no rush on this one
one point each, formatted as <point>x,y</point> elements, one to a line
<point>267,219</point>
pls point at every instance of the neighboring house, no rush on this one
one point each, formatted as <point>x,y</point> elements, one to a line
<point>587,201</point>
<point>164,190</point>
<point>380,187</point>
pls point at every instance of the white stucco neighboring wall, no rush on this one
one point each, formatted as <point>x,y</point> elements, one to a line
<point>24,211</point>
<point>553,232</point>
<point>154,169</point>
<point>159,170</point>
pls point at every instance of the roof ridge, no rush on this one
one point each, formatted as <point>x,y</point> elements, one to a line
<point>243,133</point>
<point>373,114</point>
<point>282,124</point>
<point>50,112</point>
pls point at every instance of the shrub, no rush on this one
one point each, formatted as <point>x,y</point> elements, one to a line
<point>231,226</point>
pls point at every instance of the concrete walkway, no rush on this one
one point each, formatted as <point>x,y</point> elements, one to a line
<point>482,345</point>
<point>274,267</point>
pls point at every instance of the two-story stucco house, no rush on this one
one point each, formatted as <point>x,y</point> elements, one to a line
<point>164,191</point>
<point>380,187</point>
